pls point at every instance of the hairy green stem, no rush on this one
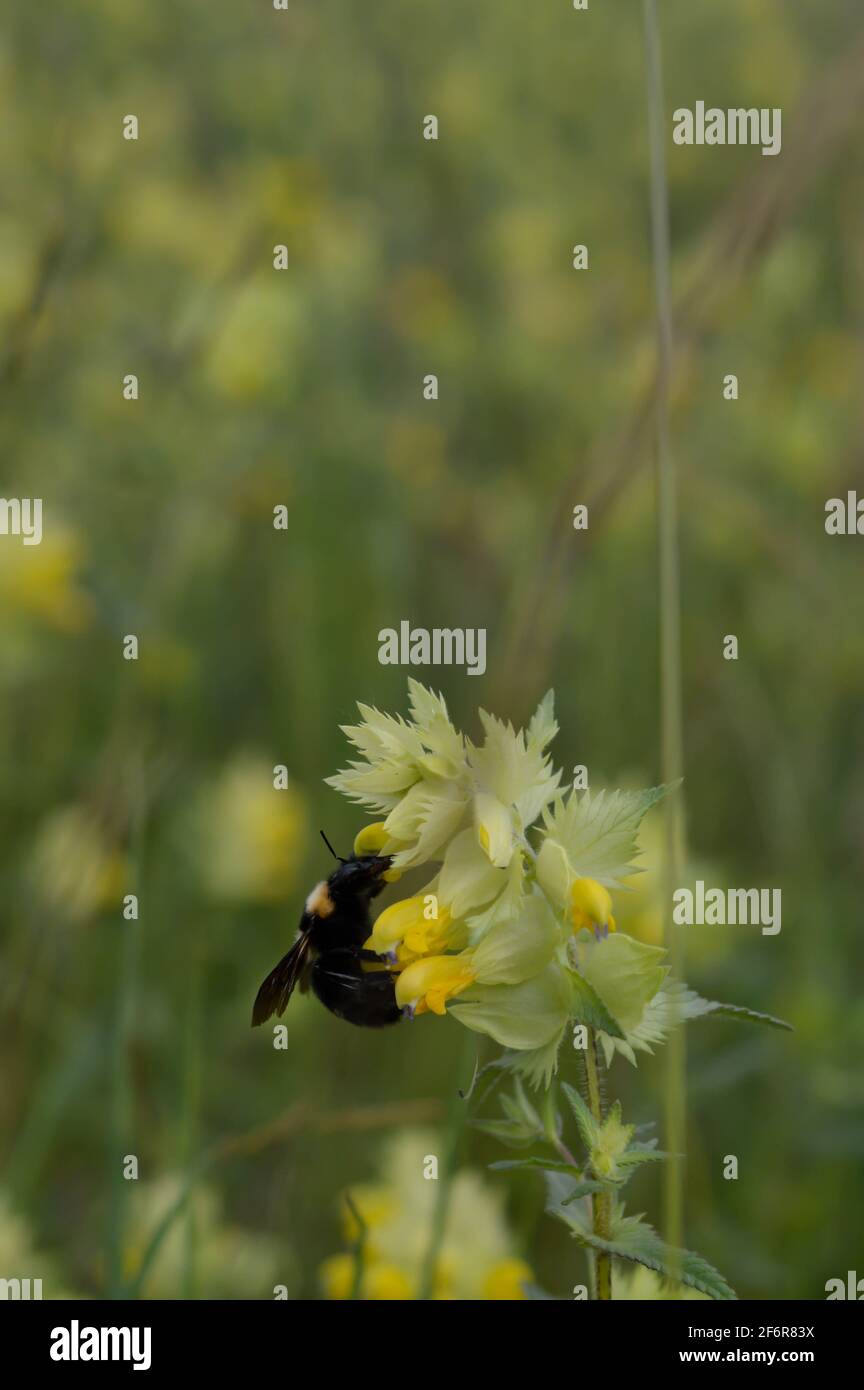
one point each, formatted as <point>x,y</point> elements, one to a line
<point>601,1202</point>
<point>550,1128</point>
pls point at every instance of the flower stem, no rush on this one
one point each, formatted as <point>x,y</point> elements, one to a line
<point>601,1205</point>
<point>672,754</point>
<point>359,1247</point>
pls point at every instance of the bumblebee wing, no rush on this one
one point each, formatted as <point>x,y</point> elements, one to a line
<point>272,997</point>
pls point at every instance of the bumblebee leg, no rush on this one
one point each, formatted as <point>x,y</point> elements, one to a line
<point>362,954</point>
<point>364,998</point>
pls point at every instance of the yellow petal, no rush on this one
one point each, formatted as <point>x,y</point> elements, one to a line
<point>590,904</point>
<point>394,922</point>
<point>505,1279</point>
<point>371,839</point>
<point>433,980</point>
<point>494,825</point>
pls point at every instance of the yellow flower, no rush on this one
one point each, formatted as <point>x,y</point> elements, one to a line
<point>42,582</point>
<point>248,837</point>
<point>224,1252</point>
<point>591,906</point>
<point>337,1276</point>
<point>387,1283</point>
<point>74,868</point>
<point>372,839</point>
<point>381,1282</point>
<point>375,1205</point>
<point>477,1257</point>
<point>444,1280</point>
<point>414,927</point>
<point>429,983</point>
<point>392,924</point>
<point>505,1279</point>
<point>427,938</point>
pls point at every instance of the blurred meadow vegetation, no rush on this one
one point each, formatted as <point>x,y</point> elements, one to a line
<point>303,388</point>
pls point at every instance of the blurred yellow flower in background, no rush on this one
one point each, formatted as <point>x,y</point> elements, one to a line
<point>254,348</point>
<point>230,1262</point>
<point>40,582</point>
<point>248,838</point>
<point>74,869</point>
<point>640,910</point>
<point>476,1259</point>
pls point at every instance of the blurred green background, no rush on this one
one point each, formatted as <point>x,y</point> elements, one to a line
<point>304,388</point>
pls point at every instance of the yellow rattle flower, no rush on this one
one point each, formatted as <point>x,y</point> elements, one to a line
<point>591,906</point>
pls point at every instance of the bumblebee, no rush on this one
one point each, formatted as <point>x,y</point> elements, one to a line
<point>328,956</point>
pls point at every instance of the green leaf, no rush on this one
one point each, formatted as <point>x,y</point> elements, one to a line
<point>522,1124</point>
<point>577,1185</point>
<point>521,1112</point>
<point>525,1109</point>
<point>667,1010</point>
<point>633,1239</point>
<point>588,1127</point>
<point>543,726</point>
<point>599,831</point>
<point>514,1135</point>
<point>537,1065</point>
<point>524,1017</point>
<point>589,1008</point>
<point>702,1008</point>
<point>561,1192</point>
<point>624,972</point>
<point>633,1157</point>
<point>548,1165</point>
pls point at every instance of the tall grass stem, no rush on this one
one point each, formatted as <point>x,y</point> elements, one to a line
<point>671,718</point>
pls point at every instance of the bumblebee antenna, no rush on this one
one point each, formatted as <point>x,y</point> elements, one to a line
<point>331,849</point>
